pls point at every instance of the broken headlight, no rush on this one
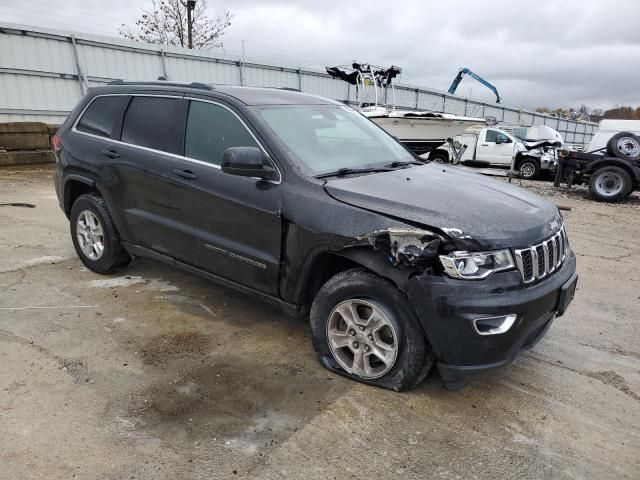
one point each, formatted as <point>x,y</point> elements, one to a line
<point>476,265</point>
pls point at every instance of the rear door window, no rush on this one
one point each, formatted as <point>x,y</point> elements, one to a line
<point>151,122</point>
<point>103,116</point>
<point>211,129</point>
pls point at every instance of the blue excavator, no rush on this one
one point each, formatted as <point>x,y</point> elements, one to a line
<point>466,71</point>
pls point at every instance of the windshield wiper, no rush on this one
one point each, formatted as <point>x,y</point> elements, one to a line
<point>397,164</point>
<point>348,171</point>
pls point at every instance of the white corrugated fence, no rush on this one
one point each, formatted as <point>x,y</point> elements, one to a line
<point>43,74</point>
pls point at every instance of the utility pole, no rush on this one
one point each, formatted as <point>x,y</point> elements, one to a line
<point>191,5</point>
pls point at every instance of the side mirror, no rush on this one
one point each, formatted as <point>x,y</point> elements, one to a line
<point>499,140</point>
<point>247,162</point>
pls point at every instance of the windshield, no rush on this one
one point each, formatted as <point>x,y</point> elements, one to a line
<point>326,138</point>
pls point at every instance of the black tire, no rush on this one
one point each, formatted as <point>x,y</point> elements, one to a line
<point>439,157</point>
<point>529,168</point>
<point>114,257</point>
<point>598,186</point>
<point>414,357</point>
<point>624,145</point>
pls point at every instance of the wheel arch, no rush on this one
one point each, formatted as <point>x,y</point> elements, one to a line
<point>439,152</point>
<point>615,162</point>
<point>521,156</point>
<point>74,186</point>
<point>325,264</point>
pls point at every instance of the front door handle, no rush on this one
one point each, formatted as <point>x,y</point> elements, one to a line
<point>188,174</point>
<point>111,153</point>
<point>484,145</point>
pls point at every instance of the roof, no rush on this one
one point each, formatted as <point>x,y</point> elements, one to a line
<point>246,95</point>
<point>272,96</point>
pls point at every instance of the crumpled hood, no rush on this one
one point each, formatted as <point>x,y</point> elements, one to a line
<point>477,212</point>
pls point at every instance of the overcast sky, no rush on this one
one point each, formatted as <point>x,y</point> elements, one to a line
<point>537,53</point>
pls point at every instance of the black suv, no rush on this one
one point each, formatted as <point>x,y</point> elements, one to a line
<point>301,200</point>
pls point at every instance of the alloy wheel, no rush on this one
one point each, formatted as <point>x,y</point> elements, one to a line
<point>90,235</point>
<point>362,338</point>
<point>527,169</point>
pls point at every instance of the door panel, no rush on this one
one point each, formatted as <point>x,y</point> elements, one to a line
<point>238,225</point>
<point>156,204</point>
<point>492,152</point>
<point>155,201</point>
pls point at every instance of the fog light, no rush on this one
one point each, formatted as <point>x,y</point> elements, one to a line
<point>494,325</point>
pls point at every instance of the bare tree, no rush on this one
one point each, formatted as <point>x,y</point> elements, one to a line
<point>166,24</point>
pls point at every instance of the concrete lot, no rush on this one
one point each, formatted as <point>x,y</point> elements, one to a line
<point>157,374</point>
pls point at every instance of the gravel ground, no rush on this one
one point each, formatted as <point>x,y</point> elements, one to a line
<point>579,192</point>
<point>157,374</point>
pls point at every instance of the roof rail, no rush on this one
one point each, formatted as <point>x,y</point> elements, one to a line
<point>199,85</point>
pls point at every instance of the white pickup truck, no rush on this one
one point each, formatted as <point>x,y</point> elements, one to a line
<point>492,147</point>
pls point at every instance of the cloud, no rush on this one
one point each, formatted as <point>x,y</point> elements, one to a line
<point>543,53</point>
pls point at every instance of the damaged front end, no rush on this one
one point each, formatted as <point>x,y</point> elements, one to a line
<point>427,251</point>
<point>408,246</point>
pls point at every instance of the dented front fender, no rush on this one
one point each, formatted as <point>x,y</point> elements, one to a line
<point>409,246</point>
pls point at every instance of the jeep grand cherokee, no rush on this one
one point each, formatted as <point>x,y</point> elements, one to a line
<point>400,264</point>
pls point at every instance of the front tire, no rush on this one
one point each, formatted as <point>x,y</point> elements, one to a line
<point>610,184</point>
<point>529,168</point>
<point>95,237</point>
<point>363,328</point>
<point>439,157</point>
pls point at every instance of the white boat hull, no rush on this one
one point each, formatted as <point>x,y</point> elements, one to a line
<point>421,133</point>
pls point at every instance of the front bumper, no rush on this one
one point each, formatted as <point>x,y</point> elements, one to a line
<point>548,163</point>
<point>447,307</point>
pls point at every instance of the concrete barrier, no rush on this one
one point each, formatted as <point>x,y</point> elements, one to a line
<point>25,143</point>
<point>32,157</point>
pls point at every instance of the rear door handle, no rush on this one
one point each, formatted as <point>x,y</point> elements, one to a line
<point>484,145</point>
<point>111,153</point>
<point>188,174</point>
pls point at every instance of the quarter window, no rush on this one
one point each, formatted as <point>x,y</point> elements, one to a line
<point>150,122</point>
<point>102,116</point>
<point>211,129</point>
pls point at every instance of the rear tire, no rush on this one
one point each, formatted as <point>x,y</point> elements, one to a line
<point>363,328</point>
<point>610,184</point>
<point>95,237</point>
<point>624,145</point>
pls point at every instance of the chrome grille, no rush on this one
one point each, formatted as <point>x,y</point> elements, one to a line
<point>538,261</point>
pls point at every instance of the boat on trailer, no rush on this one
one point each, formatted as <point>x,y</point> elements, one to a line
<point>421,131</point>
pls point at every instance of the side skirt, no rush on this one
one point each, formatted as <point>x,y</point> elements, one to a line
<point>138,251</point>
